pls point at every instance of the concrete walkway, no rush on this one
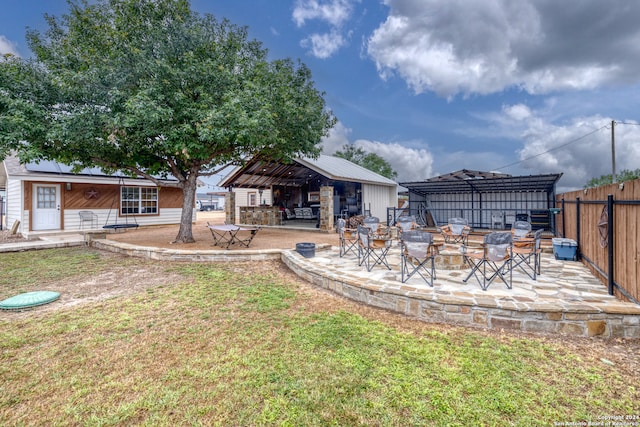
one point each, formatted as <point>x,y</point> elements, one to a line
<point>44,242</point>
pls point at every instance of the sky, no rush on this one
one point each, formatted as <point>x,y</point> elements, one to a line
<point>522,87</point>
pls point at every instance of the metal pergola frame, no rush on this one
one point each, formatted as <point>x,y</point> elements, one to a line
<point>478,184</point>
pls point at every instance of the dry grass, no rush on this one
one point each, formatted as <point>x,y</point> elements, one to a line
<point>251,344</point>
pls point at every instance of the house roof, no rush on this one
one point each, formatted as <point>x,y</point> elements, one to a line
<point>263,174</point>
<point>466,181</point>
<point>49,168</point>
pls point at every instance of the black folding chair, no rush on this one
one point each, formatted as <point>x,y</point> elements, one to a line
<point>417,256</point>
<point>348,238</point>
<point>373,249</point>
<point>493,261</point>
<point>526,254</point>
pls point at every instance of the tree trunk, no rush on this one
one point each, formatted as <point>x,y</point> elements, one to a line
<point>185,233</point>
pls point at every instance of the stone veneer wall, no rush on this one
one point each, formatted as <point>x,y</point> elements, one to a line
<point>610,322</point>
<point>326,208</point>
<point>230,207</point>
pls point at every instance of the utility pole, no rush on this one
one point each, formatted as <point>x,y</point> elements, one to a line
<point>613,152</point>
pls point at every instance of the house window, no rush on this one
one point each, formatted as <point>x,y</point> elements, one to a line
<point>138,200</point>
<point>251,199</point>
<point>46,198</point>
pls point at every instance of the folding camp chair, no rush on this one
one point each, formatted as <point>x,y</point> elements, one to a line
<point>526,254</point>
<point>371,222</point>
<point>348,238</point>
<point>520,230</point>
<point>456,231</point>
<point>493,261</point>
<point>372,249</point>
<point>406,223</point>
<point>417,255</point>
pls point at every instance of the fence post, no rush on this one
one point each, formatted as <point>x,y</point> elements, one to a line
<point>610,243</point>
<point>563,217</point>
<point>578,228</point>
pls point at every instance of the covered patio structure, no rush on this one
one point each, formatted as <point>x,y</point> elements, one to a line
<point>485,199</point>
<point>267,192</point>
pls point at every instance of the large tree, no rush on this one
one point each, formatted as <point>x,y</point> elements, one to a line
<point>370,161</point>
<point>154,89</point>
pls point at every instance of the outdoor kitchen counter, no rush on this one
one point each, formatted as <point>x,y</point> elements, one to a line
<point>260,215</point>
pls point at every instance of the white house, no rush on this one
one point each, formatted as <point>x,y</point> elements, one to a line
<point>47,196</point>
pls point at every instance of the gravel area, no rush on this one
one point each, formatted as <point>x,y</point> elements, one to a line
<point>267,237</point>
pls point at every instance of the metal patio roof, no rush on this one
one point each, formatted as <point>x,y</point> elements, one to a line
<point>264,174</point>
<point>465,181</point>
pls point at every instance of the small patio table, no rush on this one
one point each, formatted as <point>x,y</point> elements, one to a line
<point>226,235</point>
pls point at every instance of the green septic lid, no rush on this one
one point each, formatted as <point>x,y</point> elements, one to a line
<point>29,299</point>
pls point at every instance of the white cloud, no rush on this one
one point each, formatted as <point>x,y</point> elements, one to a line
<point>334,13</point>
<point>517,112</point>
<point>7,46</point>
<point>460,47</point>
<point>337,138</point>
<point>324,45</point>
<point>411,164</point>
<point>580,147</point>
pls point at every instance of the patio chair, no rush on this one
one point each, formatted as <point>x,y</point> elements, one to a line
<point>372,222</point>
<point>88,217</point>
<point>289,214</point>
<point>526,254</point>
<point>456,231</point>
<point>372,249</point>
<point>493,261</point>
<point>307,213</point>
<point>520,230</point>
<point>417,256</point>
<point>348,238</point>
<point>406,223</point>
<point>497,220</point>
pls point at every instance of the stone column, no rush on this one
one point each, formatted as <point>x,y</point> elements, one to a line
<point>326,208</point>
<point>230,207</point>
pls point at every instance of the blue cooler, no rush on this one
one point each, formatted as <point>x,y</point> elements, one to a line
<point>564,248</point>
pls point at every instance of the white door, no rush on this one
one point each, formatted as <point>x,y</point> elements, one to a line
<point>46,207</point>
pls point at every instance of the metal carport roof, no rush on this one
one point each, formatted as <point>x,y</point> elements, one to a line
<point>478,182</point>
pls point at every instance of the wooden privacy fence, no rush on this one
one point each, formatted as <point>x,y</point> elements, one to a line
<point>604,223</point>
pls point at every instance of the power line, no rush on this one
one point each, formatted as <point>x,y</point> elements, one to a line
<point>555,148</point>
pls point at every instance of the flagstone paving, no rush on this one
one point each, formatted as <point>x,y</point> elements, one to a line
<point>565,299</point>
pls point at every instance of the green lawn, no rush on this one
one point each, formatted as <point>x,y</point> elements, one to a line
<point>224,346</point>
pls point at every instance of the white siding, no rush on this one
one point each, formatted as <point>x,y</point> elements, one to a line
<point>15,205</point>
<point>377,198</point>
<point>108,216</point>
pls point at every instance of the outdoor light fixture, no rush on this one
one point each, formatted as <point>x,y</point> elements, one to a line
<point>68,186</point>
